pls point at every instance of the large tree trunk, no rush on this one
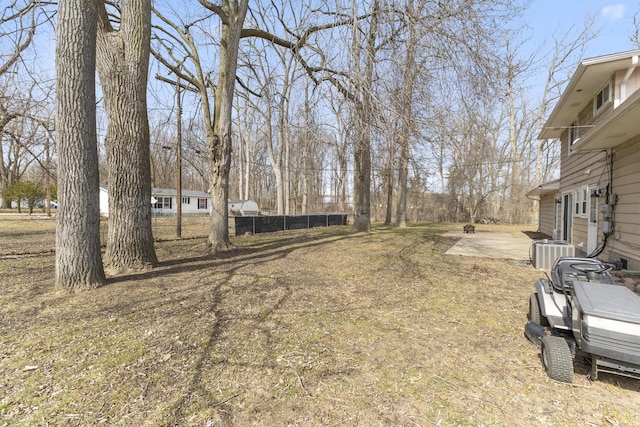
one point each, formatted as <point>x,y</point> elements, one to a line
<point>220,139</point>
<point>362,175</point>
<point>123,62</point>
<point>78,256</point>
<point>362,139</point>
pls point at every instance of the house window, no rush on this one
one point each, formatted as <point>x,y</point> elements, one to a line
<point>202,203</point>
<point>186,200</point>
<point>574,133</point>
<point>602,98</point>
<point>581,202</point>
<point>162,203</point>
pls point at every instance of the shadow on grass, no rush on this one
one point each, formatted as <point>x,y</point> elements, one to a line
<point>259,253</point>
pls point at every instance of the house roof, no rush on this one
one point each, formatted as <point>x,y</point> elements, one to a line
<point>548,187</point>
<point>173,192</point>
<point>167,192</point>
<point>588,79</point>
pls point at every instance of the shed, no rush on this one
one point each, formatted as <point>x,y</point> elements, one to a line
<point>243,208</point>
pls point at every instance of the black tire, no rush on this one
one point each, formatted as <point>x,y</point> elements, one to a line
<point>556,359</point>
<point>535,314</point>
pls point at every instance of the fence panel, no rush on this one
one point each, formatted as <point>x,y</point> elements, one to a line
<point>271,223</point>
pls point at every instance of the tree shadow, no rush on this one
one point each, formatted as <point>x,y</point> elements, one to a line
<point>259,254</point>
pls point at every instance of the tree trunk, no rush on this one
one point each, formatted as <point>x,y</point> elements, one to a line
<point>123,63</point>
<point>409,77</point>
<point>362,176</point>
<point>78,256</point>
<point>362,139</point>
<point>220,140</point>
<point>247,162</point>
<point>390,182</point>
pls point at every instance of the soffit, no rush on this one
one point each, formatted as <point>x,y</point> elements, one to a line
<point>590,76</point>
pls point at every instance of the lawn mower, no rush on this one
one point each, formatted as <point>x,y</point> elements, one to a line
<point>580,313</point>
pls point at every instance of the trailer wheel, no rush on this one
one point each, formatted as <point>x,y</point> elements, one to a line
<point>556,359</point>
<point>535,314</point>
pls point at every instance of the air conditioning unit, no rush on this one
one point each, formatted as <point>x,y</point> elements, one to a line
<point>545,252</point>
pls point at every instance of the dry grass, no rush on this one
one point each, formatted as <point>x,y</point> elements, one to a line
<point>316,327</point>
<point>36,234</point>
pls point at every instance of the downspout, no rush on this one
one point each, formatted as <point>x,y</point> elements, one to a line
<point>623,84</point>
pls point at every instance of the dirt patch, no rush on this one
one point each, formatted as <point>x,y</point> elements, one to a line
<point>314,327</point>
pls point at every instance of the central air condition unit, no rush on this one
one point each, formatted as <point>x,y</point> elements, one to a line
<point>545,253</point>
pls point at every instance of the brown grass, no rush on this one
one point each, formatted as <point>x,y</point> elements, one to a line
<point>315,327</point>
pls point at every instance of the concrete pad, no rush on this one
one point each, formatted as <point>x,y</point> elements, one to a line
<point>491,245</point>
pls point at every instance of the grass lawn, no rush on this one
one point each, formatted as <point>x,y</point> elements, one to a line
<point>321,327</point>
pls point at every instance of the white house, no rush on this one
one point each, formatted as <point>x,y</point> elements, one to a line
<point>163,201</point>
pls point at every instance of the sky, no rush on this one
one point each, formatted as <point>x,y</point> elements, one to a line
<point>613,18</point>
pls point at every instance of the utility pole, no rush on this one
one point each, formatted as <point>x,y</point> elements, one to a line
<point>178,161</point>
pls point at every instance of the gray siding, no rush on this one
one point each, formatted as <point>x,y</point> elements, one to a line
<point>625,241</point>
<point>546,214</point>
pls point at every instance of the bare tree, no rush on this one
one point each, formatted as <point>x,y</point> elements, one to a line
<point>17,28</point>
<point>123,63</point>
<point>232,15</point>
<point>247,139</point>
<point>406,107</point>
<point>568,47</point>
<point>341,146</point>
<point>358,90</point>
<point>13,152</point>
<point>363,108</point>
<point>78,256</point>
<point>275,71</point>
<point>177,47</point>
<point>178,40</point>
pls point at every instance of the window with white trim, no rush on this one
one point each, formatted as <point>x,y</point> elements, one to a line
<point>162,203</point>
<point>581,202</point>
<point>574,132</point>
<point>202,203</point>
<point>602,98</point>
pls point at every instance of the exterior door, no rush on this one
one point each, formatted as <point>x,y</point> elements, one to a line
<point>592,226</point>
